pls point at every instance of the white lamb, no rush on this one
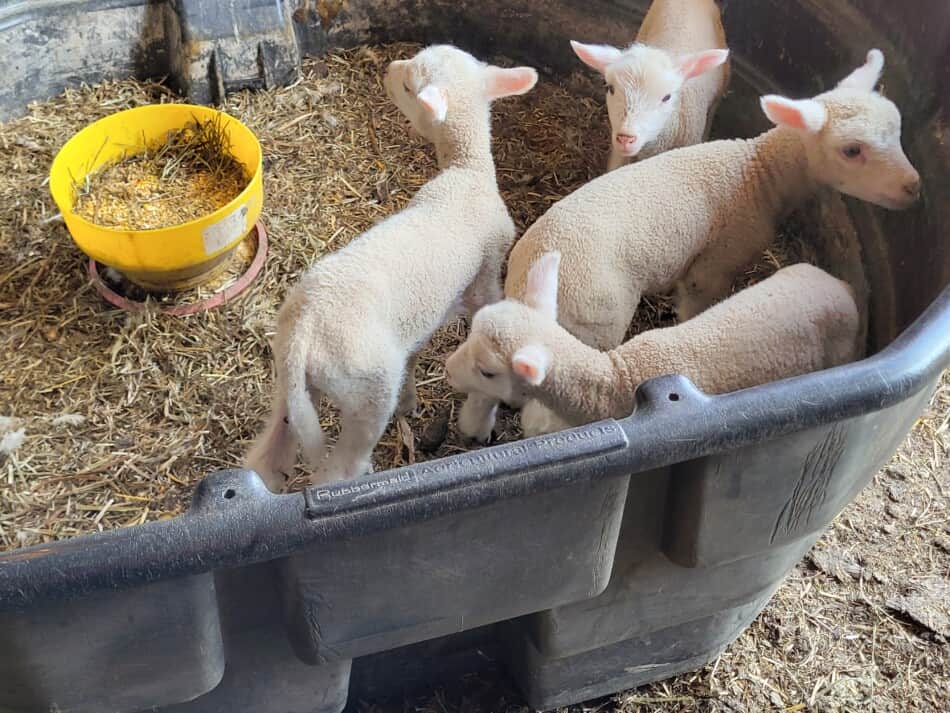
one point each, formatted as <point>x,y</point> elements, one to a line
<point>801,319</point>
<point>350,329</point>
<point>663,90</point>
<point>695,217</point>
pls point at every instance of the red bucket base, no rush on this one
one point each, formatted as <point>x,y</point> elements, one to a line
<point>226,295</point>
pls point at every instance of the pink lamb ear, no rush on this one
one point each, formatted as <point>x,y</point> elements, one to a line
<point>508,82</point>
<point>541,288</point>
<point>596,56</point>
<point>435,101</point>
<point>865,77</point>
<point>801,114</point>
<point>693,65</point>
<point>531,363</point>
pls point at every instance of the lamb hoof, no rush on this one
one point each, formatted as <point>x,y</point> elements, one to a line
<point>364,468</point>
<point>275,482</point>
<point>321,478</point>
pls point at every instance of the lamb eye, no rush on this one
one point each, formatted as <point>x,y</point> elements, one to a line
<point>487,374</point>
<point>406,87</point>
<point>610,88</point>
<point>667,98</point>
<point>852,151</point>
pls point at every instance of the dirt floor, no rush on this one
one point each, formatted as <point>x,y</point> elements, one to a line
<point>108,419</point>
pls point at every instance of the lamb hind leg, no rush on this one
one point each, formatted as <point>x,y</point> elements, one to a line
<point>274,451</point>
<point>408,398</point>
<point>352,455</point>
<point>367,403</point>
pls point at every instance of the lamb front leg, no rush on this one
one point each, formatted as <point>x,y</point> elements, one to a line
<point>352,455</point>
<point>693,296</point>
<point>477,418</point>
<point>367,401</point>
<point>274,452</point>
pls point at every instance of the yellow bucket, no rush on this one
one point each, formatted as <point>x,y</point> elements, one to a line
<point>166,258</point>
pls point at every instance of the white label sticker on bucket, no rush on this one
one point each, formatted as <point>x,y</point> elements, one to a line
<point>230,227</point>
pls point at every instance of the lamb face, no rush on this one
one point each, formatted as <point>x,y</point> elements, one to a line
<point>852,138</point>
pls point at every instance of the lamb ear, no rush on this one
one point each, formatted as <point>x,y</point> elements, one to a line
<point>802,114</point>
<point>865,77</point>
<point>435,100</point>
<point>541,288</point>
<point>508,82</point>
<point>531,363</point>
<point>596,56</point>
<point>697,63</point>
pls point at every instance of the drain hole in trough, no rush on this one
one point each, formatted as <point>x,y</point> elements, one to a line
<point>674,397</point>
<point>229,493</point>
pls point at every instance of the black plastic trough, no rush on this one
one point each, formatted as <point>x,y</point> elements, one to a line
<point>587,561</point>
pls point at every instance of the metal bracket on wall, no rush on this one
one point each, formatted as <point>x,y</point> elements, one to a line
<point>205,48</point>
<point>217,48</point>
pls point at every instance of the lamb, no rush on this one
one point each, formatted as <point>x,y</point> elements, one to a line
<point>694,217</point>
<point>801,319</point>
<point>663,90</point>
<point>350,329</point>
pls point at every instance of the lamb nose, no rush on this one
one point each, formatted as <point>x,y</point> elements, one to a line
<point>912,188</point>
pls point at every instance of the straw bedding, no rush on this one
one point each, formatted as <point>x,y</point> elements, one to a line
<point>122,413</point>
